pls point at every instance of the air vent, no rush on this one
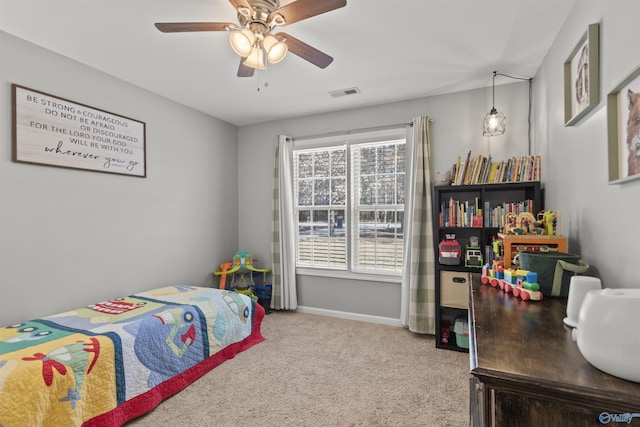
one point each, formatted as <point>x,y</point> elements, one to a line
<point>344,92</point>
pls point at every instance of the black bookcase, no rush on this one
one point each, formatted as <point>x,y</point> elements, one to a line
<point>452,281</point>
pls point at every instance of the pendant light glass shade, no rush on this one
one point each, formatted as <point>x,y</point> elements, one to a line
<point>255,59</point>
<point>494,123</point>
<point>276,50</point>
<point>242,42</point>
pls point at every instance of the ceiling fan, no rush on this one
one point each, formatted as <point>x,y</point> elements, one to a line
<point>253,38</point>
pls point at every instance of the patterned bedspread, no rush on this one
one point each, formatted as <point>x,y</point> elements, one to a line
<point>110,362</point>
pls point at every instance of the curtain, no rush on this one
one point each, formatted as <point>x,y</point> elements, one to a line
<point>418,280</point>
<point>283,264</point>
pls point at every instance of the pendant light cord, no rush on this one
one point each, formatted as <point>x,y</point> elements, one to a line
<point>493,101</point>
<point>530,80</point>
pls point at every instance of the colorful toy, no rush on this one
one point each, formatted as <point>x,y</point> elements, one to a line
<point>497,247</point>
<point>241,271</point>
<point>224,267</point>
<point>550,222</point>
<point>449,251</point>
<point>521,224</point>
<point>510,223</point>
<point>473,257</point>
<point>492,274</point>
<point>522,284</point>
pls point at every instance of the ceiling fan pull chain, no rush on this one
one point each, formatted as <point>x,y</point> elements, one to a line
<point>258,81</point>
<point>266,83</point>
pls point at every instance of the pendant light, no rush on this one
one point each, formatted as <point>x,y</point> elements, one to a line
<point>494,123</point>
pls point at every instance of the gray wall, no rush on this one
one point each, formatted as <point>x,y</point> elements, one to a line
<point>457,128</point>
<point>601,220</point>
<point>70,238</point>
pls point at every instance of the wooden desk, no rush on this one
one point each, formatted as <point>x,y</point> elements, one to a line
<point>509,240</point>
<point>527,371</point>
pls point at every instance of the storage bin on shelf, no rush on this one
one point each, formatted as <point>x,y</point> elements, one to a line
<point>461,329</point>
<point>454,289</point>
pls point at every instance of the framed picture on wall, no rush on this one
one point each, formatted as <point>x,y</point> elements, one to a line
<point>582,77</point>
<point>623,128</point>
<point>53,131</point>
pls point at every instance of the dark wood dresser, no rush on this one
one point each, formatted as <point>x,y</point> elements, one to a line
<point>527,371</point>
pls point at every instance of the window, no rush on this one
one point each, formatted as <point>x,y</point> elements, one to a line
<point>350,195</point>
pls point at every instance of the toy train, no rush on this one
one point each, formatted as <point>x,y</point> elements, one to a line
<point>522,284</point>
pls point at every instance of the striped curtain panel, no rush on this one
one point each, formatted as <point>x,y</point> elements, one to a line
<point>418,280</point>
<point>283,262</point>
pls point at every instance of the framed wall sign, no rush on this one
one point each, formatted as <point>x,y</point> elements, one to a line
<point>53,131</point>
<point>582,77</point>
<point>623,129</point>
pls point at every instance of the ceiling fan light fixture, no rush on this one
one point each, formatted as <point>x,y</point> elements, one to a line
<point>256,20</point>
<point>242,41</point>
<point>276,49</point>
<point>255,59</point>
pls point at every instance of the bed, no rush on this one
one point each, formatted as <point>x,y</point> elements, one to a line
<point>107,363</point>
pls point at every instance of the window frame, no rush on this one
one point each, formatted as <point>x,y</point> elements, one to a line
<point>349,140</point>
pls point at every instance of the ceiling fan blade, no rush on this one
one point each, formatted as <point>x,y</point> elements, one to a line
<point>306,52</point>
<point>243,70</point>
<point>185,27</point>
<point>303,9</point>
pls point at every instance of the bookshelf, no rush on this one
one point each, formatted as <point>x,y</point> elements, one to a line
<point>470,212</point>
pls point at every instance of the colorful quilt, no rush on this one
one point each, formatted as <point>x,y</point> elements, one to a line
<point>110,362</point>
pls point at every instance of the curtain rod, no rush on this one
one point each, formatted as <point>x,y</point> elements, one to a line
<point>352,131</point>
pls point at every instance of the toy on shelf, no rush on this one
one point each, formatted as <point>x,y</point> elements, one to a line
<point>473,257</point>
<point>473,254</point>
<point>497,247</point>
<point>550,222</point>
<point>527,224</point>
<point>510,223</point>
<point>522,284</point>
<point>449,251</point>
<point>242,270</point>
<point>546,223</point>
<point>522,224</point>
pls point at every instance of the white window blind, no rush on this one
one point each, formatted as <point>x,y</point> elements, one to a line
<point>321,195</point>
<point>350,196</point>
<point>378,205</point>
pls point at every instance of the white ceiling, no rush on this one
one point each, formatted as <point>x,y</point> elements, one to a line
<point>392,50</point>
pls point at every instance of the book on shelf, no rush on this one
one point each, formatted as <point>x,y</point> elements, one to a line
<point>494,216</point>
<point>462,213</point>
<point>458,213</point>
<point>484,170</point>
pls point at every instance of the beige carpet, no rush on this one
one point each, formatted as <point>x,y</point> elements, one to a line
<point>321,371</point>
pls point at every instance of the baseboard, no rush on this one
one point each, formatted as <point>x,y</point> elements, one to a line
<point>350,316</point>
